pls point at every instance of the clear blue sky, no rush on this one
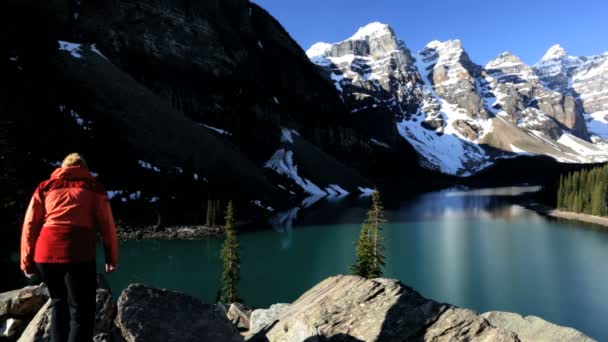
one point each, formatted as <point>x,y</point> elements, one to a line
<point>486,28</point>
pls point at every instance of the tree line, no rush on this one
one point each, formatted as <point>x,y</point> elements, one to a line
<point>584,191</point>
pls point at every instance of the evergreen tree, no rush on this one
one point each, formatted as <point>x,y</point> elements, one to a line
<point>560,193</point>
<point>369,247</point>
<point>231,260</point>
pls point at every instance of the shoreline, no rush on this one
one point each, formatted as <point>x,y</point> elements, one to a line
<point>567,215</point>
<point>171,233</point>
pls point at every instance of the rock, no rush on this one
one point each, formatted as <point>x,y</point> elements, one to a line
<point>239,315</point>
<point>532,328</point>
<point>149,314</point>
<point>105,312</point>
<point>350,308</point>
<point>38,328</point>
<point>10,328</point>
<point>261,318</point>
<point>23,302</point>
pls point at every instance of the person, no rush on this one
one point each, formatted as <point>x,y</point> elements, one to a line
<point>58,241</point>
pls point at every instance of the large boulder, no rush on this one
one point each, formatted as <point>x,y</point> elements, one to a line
<point>149,314</point>
<point>11,328</point>
<point>261,318</point>
<point>38,328</point>
<point>534,329</point>
<point>23,302</point>
<point>239,315</point>
<point>351,308</point>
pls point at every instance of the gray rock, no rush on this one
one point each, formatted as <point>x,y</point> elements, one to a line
<point>239,315</point>
<point>262,318</point>
<point>149,314</point>
<point>23,302</point>
<point>352,308</point>
<point>38,328</point>
<point>534,329</point>
<point>10,328</point>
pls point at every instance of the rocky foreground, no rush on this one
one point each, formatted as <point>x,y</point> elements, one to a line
<point>340,308</point>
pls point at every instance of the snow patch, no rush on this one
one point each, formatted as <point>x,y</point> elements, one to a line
<point>94,49</point>
<point>371,30</point>
<point>148,166</point>
<point>379,143</point>
<point>282,163</point>
<point>258,203</point>
<point>218,130</point>
<point>318,49</point>
<point>365,192</point>
<point>72,48</point>
<point>113,193</point>
<point>135,196</point>
<point>554,52</point>
<point>287,135</point>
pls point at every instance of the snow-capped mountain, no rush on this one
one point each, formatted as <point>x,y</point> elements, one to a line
<point>461,116</point>
<point>585,78</point>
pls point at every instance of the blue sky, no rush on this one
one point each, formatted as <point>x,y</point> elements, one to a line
<point>486,28</point>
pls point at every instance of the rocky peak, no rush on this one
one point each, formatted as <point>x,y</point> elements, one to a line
<point>504,58</point>
<point>372,30</point>
<point>373,40</point>
<point>508,67</point>
<point>453,75</point>
<point>554,52</point>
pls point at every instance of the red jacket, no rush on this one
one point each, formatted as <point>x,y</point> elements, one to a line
<point>62,219</point>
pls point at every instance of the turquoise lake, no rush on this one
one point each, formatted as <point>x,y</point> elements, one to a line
<point>473,249</point>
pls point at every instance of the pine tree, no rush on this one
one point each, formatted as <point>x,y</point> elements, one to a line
<point>596,200</point>
<point>363,248</point>
<point>369,247</point>
<point>231,260</point>
<point>560,193</point>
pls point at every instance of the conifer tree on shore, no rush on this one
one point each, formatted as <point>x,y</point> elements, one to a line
<point>231,260</point>
<point>584,191</point>
<point>369,247</point>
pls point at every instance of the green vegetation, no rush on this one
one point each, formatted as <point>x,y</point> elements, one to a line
<point>369,247</point>
<point>584,191</point>
<point>231,260</point>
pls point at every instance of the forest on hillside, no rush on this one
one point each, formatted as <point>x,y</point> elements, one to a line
<point>584,191</point>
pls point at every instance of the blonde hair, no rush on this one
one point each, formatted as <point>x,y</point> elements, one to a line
<point>74,159</point>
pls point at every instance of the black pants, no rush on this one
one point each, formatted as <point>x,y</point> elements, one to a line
<point>72,290</point>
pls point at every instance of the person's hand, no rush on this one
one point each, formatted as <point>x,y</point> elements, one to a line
<point>110,268</point>
<point>28,275</point>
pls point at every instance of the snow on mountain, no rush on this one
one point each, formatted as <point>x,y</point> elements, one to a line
<point>554,52</point>
<point>371,30</point>
<point>582,77</point>
<point>459,116</point>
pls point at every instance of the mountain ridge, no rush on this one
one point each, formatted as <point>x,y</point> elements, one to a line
<point>450,95</point>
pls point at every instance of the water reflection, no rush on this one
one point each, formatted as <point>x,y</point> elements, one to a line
<point>472,249</point>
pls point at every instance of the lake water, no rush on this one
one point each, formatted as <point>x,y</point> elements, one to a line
<point>470,248</point>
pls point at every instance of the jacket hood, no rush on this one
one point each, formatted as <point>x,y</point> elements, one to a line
<point>71,172</point>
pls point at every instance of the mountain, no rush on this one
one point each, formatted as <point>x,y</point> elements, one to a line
<point>462,117</point>
<point>584,78</point>
<point>173,103</point>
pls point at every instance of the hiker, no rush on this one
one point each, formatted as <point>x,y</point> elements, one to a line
<point>58,243</point>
